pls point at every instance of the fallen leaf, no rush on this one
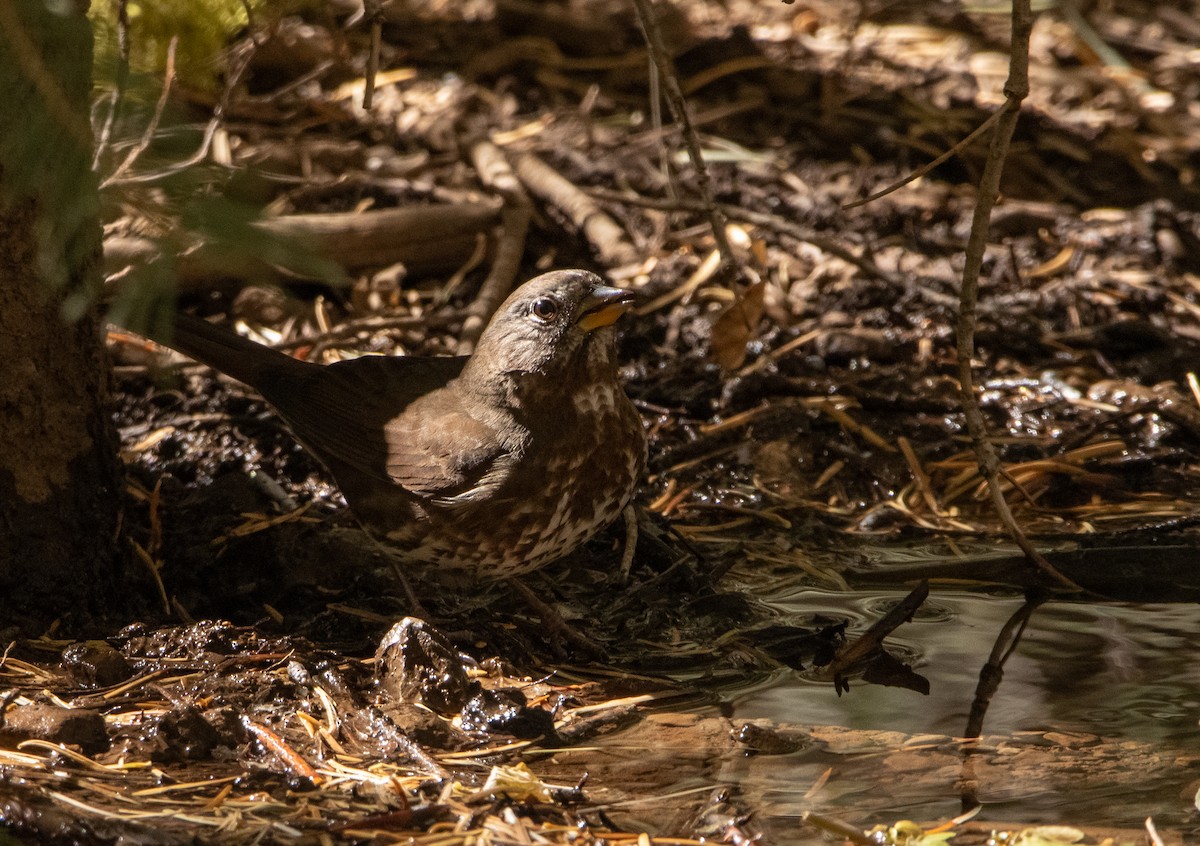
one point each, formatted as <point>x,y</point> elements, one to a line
<point>735,327</point>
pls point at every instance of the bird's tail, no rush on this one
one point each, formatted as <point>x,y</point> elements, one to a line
<point>227,351</point>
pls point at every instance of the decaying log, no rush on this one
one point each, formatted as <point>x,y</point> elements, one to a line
<point>425,239</point>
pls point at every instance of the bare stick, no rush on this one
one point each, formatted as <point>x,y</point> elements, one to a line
<point>921,171</point>
<point>768,221</point>
<point>606,236</point>
<point>1015,89</point>
<point>122,82</point>
<point>238,63</point>
<point>678,106</point>
<point>374,13</point>
<point>497,173</point>
<point>423,238</point>
<point>152,126</point>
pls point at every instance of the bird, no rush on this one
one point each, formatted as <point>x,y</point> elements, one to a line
<point>493,464</point>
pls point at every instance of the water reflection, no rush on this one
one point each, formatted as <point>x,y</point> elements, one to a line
<point>1098,676</point>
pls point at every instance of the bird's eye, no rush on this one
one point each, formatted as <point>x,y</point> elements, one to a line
<point>544,309</point>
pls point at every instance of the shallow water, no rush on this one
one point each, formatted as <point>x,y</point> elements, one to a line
<point>1120,672</point>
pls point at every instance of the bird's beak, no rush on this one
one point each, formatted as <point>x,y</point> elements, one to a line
<point>603,306</point>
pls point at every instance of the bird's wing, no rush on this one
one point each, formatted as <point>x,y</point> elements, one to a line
<point>457,459</point>
<point>358,416</point>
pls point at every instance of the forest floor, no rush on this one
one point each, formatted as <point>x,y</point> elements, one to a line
<point>802,411</point>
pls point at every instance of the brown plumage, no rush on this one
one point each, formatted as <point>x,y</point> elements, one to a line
<point>494,464</point>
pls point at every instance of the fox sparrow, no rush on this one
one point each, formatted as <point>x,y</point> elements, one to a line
<point>495,464</point>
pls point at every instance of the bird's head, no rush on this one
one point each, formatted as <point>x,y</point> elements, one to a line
<point>555,326</point>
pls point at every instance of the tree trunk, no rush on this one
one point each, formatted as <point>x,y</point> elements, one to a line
<point>59,482</point>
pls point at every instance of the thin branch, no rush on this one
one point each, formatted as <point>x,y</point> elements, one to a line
<point>1015,90</point>
<point>921,171</point>
<point>122,82</point>
<point>678,106</point>
<point>374,13</point>
<point>767,221</point>
<point>607,237</point>
<point>251,25</point>
<point>497,173</point>
<point>237,67</point>
<point>148,135</point>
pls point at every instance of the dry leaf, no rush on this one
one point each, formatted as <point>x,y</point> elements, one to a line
<point>735,327</point>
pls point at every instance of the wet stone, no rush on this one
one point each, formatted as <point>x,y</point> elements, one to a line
<point>94,663</point>
<point>507,711</point>
<point>205,638</point>
<point>416,663</point>
<point>1072,739</point>
<point>763,740</point>
<point>69,726</point>
<point>415,722</point>
<point>186,735</point>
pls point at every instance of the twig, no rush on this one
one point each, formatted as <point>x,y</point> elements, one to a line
<point>293,85</point>
<point>767,221</point>
<point>604,234</point>
<point>871,641</point>
<point>921,171</point>
<point>122,82</point>
<point>1015,89</point>
<point>654,88</point>
<point>374,13</point>
<point>153,567</point>
<point>630,516</point>
<point>555,626</point>
<point>496,172</point>
<point>678,106</point>
<point>238,66</point>
<point>920,477</point>
<point>292,761</point>
<point>152,126</point>
<point>251,26</point>
<point>1017,486</point>
<point>836,827</point>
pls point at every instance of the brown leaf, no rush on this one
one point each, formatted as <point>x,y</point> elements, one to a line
<point>735,327</point>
